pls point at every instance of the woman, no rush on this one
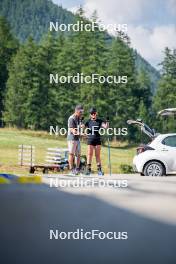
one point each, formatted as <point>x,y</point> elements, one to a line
<point>94,140</point>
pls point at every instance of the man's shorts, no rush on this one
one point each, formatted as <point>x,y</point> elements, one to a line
<point>74,147</point>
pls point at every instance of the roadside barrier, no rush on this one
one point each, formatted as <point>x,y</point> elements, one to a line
<point>9,178</point>
<point>29,179</point>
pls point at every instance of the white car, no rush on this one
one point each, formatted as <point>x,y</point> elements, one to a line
<point>157,158</point>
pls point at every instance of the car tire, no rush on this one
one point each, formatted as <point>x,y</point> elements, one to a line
<point>154,168</point>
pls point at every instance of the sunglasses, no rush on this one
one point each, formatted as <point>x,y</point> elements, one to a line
<point>94,113</point>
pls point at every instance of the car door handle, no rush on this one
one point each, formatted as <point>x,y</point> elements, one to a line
<point>164,149</point>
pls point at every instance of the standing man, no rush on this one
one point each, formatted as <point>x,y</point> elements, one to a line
<point>74,146</point>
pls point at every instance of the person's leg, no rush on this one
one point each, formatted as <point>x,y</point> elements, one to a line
<point>70,160</point>
<point>98,158</point>
<point>90,149</point>
<point>71,149</point>
<point>78,155</point>
<point>97,154</point>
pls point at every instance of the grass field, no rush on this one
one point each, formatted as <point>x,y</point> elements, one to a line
<point>11,138</point>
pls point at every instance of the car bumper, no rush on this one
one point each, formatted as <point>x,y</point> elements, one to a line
<point>137,166</point>
<point>134,168</point>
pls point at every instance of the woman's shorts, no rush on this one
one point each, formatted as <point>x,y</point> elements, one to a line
<point>94,142</point>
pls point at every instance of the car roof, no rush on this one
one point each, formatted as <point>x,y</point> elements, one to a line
<point>162,136</point>
<point>167,112</point>
<point>166,135</point>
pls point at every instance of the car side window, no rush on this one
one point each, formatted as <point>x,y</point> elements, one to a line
<point>170,141</point>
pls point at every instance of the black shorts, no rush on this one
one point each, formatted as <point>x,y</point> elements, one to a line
<point>94,142</point>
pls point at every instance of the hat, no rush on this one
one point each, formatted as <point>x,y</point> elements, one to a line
<point>92,110</point>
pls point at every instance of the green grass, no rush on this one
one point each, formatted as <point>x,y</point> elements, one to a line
<point>11,138</point>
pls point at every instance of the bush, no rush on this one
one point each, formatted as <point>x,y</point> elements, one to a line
<point>125,168</point>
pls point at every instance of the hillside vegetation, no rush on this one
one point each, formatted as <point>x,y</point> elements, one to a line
<point>32,18</point>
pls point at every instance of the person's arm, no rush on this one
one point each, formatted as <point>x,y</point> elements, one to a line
<point>105,124</point>
<point>86,124</point>
<point>74,131</point>
<point>86,129</point>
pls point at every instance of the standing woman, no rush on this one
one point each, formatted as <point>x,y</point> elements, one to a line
<point>92,127</point>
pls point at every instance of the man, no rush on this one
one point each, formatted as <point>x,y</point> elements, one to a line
<point>74,146</point>
<point>94,140</point>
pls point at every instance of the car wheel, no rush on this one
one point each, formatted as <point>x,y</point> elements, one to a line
<point>154,168</point>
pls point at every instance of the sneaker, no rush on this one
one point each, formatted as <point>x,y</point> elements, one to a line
<point>88,172</point>
<point>77,171</point>
<point>72,172</point>
<point>100,173</point>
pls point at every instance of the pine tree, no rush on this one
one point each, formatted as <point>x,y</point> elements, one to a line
<point>123,102</point>
<point>91,57</point>
<point>144,92</point>
<point>67,93</point>
<point>42,110</point>
<point>19,84</point>
<point>166,93</point>
<point>8,47</point>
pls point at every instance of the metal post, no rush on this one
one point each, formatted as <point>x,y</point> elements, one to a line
<point>109,157</point>
<point>21,155</point>
<point>31,155</point>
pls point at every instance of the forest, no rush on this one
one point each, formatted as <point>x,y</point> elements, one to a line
<point>29,100</point>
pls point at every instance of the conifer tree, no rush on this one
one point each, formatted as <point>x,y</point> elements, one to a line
<point>166,93</point>
<point>123,101</point>
<point>8,47</point>
<point>21,73</point>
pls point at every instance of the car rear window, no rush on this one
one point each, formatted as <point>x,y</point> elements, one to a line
<point>170,141</point>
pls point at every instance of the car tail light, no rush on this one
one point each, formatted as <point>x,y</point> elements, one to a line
<point>140,150</point>
<point>143,148</point>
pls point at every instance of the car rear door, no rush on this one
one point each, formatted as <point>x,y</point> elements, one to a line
<point>168,149</point>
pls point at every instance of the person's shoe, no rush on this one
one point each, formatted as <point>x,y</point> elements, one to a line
<point>100,173</point>
<point>77,171</point>
<point>88,172</point>
<point>88,169</point>
<point>72,172</point>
